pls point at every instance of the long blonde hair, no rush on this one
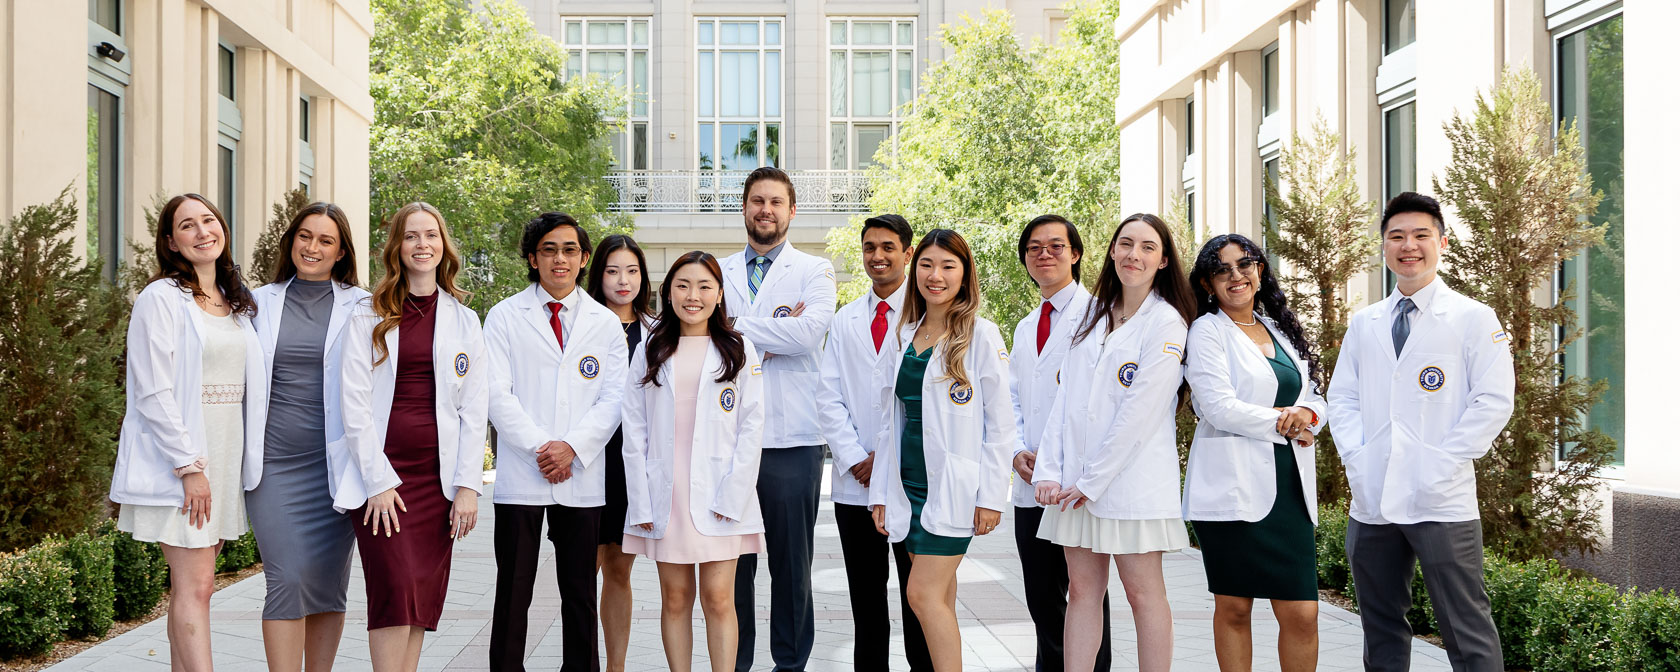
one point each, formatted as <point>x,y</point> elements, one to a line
<point>959,318</point>
<point>392,291</point>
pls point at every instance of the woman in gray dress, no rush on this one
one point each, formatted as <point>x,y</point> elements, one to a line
<point>305,543</point>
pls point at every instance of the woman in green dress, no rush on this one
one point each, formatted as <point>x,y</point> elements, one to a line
<point>956,429</point>
<point>1250,486</point>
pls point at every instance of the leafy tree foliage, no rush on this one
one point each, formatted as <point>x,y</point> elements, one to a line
<point>264,259</point>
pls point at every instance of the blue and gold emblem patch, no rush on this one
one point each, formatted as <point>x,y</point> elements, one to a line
<point>1126,374</point>
<point>462,362</point>
<point>589,367</point>
<point>1431,378</point>
<point>782,311</point>
<point>726,399</point>
<point>961,393</point>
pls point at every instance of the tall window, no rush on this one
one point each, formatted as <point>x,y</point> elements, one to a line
<point>1189,126</point>
<point>1269,97</point>
<point>1268,216</point>
<point>739,86</point>
<point>1399,161</point>
<point>1590,95</point>
<point>617,50</point>
<point>229,126</point>
<point>108,79</point>
<point>1399,25</point>
<point>306,149</point>
<point>871,79</point>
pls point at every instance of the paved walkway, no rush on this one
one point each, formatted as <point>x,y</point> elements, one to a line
<point>997,632</point>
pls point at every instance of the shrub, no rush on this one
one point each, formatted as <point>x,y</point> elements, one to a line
<point>140,574</point>
<point>1574,627</point>
<point>238,553</point>
<point>90,558</point>
<point>1331,537</point>
<point>1422,613</point>
<point>267,252</point>
<point>61,338</point>
<point>1514,590</point>
<point>1648,632</point>
<point>35,596</point>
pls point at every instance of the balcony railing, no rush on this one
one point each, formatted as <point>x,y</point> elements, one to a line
<point>693,191</point>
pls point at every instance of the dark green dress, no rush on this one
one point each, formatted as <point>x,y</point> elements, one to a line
<point>1274,558</point>
<point>912,467</point>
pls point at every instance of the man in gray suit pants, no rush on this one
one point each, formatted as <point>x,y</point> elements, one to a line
<point>1423,386</point>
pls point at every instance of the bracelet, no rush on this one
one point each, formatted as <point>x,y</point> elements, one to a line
<point>1311,412</point>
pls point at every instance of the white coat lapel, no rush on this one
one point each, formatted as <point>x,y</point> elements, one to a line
<point>536,315</point>
<point>1423,325</point>
<point>781,268</point>
<point>277,309</point>
<point>344,302</point>
<point>734,275</point>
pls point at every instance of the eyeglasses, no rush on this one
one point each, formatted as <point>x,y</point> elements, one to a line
<point>548,251</point>
<point>1055,249</point>
<point>1245,266</point>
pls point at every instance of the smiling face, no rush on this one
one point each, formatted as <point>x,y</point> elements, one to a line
<point>768,210</point>
<point>622,278</point>
<point>316,248</point>
<point>884,257</point>
<point>1412,247</point>
<point>1233,284</point>
<point>1050,256</point>
<point>939,275</point>
<point>694,294</point>
<point>422,244</point>
<point>558,261</point>
<point>196,233</point>
<point>1137,254</point>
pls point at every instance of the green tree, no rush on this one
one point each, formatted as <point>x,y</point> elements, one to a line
<point>1524,198</point>
<point>266,254</point>
<point>472,114</point>
<point>61,337</point>
<point>1323,232</point>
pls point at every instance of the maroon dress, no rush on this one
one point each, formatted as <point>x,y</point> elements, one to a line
<point>407,574</point>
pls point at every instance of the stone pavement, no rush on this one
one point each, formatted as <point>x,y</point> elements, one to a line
<point>997,632</point>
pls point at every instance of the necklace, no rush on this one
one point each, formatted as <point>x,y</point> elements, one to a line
<point>418,305</point>
<point>1245,324</point>
<point>205,299</point>
<point>1123,318</point>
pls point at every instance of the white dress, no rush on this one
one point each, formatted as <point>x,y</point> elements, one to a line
<point>224,426</point>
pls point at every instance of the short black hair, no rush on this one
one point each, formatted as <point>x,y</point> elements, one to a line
<point>541,226</point>
<point>891,222</point>
<point>1411,201</point>
<point>1074,241</point>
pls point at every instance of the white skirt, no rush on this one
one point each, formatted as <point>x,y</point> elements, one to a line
<point>1078,528</point>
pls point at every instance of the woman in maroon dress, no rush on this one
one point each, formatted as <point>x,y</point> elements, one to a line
<point>414,404</point>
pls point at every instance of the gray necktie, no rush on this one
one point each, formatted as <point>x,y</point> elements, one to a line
<point>1402,324</point>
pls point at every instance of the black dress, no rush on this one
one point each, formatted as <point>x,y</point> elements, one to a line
<point>612,517</point>
<point>1274,558</point>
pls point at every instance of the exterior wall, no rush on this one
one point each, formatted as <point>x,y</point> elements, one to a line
<point>170,107</point>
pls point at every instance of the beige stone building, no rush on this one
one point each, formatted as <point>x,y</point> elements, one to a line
<point>128,100</point>
<point>1213,89</point>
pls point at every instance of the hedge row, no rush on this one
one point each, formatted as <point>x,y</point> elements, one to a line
<point>77,587</point>
<point>1548,620</point>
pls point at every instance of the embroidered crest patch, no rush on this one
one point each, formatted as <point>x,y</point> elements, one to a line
<point>589,367</point>
<point>1431,378</point>
<point>1126,374</point>
<point>462,362</point>
<point>782,311</point>
<point>726,399</point>
<point>961,394</point>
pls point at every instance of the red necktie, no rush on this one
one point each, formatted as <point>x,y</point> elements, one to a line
<point>554,321</point>
<point>1043,326</point>
<point>878,328</point>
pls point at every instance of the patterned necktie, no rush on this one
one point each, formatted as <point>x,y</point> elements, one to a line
<point>1402,324</point>
<point>554,321</point>
<point>757,275</point>
<point>1044,327</point>
<point>878,328</point>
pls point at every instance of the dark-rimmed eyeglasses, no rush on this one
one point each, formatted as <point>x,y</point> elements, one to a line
<point>1055,249</point>
<point>1245,266</point>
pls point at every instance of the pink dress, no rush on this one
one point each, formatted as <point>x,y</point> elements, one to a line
<point>683,544</point>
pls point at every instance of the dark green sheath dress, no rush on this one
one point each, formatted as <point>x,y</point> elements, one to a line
<point>913,464</point>
<point>1274,558</point>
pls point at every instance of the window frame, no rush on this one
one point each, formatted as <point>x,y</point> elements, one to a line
<point>628,122</point>
<point>899,108</point>
<point>762,120</point>
<point>113,78</point>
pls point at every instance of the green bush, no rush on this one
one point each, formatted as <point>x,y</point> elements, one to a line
<point>1648,632</point>
<point>238,553</point>
<point>140,575</point>
<point>1331,538</point>
<point>1574,627</point>
<point>1422,613</point>
<point>35,597</point>
<point>1513,588</point>
<point>92,583</point>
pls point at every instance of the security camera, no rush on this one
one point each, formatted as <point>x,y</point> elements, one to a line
<point>110,51</point>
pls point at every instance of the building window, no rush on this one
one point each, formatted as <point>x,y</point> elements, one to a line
<point>107,14</point>
<point>739,86</point>
<point>1269,82</point>
<point>1189,126</point>
<point>224,69</point>
<point>1268,216</point>
<point>306,149</point>
<point>104,237</point>
<point>1399,25</point>
<point>617,50</point>
<point>1399,162</point>
<point>1589,73</point>
<point>871,81</point>
<point>1190,212</point>
<point>230,127</point>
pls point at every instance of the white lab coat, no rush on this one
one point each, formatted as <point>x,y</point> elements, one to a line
<point>1232,470</point>
<point>1034,376</point>
<point>1408,427</point>
<point>1112,432</point>
<point>163,428</point>
<point>723,457</point>
<point>857,389</point>
<point>463,401</point>
<point>968,436</point>
<point>539,394</point>
<point>791,375</point>
<point>271,307</point>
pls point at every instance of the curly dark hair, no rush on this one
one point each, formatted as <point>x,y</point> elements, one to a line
<point>1269,299</point>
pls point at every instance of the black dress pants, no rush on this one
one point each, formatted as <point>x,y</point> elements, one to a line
<point>865,551</point>
<point>518,542</point>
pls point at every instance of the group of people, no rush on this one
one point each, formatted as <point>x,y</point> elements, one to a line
<point>690,426</point>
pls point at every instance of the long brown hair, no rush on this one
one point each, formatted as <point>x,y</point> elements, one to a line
<point>173,266</point>
<point>959,318</point>
<point>662,343</point>
<point>343,270</point>
<point>1169,282</point>
<point>392,291</point>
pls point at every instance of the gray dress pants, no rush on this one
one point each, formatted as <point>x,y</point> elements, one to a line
<point>1383,558</point>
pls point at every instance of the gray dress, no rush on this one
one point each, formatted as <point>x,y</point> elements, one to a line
<point>305,544</point>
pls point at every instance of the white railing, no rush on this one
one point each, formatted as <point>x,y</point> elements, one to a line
<point>832,191</point>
